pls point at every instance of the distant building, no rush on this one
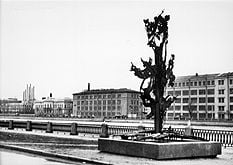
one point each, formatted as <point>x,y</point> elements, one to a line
<point>52,107</point>
<point>207,96</point>
<point>11,106</point>
<point>100,103</point>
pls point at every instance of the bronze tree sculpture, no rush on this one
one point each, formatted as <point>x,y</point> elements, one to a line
<point>159,74</point>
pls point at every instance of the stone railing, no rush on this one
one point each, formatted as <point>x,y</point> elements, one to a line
<point>105,130</point>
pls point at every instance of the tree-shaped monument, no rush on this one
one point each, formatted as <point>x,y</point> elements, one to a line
<point>158,73</point>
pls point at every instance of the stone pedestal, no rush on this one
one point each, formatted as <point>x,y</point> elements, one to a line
<point>153,150</point>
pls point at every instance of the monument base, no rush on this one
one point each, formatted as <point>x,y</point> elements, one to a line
<point>159,151</point>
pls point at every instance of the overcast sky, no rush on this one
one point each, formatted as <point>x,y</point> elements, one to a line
<point>60,46</point>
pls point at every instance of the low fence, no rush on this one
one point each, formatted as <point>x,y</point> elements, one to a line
<point>104,130</point>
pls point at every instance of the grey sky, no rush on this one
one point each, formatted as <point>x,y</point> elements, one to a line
<point>60,46</point>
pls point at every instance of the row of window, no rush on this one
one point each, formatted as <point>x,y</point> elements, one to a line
<point>202,100</point>
<point>200,108</point>
<point>98,108</point>
<point>200,83</point>
<point>97,96</point>
<point>200,92</point>
<point>98,114</point>
<point>99,102</point>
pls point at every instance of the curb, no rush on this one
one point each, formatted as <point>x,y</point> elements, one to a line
<point>48,154</point>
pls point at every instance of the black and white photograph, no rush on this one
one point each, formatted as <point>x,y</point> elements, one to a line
<point>120,82</point>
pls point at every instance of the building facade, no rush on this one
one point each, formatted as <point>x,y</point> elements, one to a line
<point>11,106</point>
<point>51,107</point>
<point>202,97</point>
<point>107,103</point>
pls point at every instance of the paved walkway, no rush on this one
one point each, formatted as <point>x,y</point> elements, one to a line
<point>93,153</point>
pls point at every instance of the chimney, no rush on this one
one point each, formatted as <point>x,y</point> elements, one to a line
<point>88,87</point>
<point>50,95</point>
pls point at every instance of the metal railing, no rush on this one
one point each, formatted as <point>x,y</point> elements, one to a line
<point>222,136</point>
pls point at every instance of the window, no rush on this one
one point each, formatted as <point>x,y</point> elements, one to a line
<point>179,84</point>
<point>210,99</point>
<point>104,102</point>
<point>199,83</point>
<point>220,82</point>
<point>177,108</point>
<point>212,82</point>
<point>118,102</point>
<point>193,92</point>
<point>201,108</point>
<point>185,108</point>
<point>177,93</point>
<point>195,83</point>
<point>231,99</point>
<point>202,92</point>
<point>109,101</point>
<point>118,95</point>
<point>201,100</point>
<point>231,107</point>
<point>231,90</point>
<point>221,99</point>
<point>183,84</point>
<point>204,83</point>
<point>231,81</point>
<point>185,100</point>
<point>170,92</point>
<point>210,91</point>
<point>221,108</point>
<point>178,100</point>
<point>193,100</point>
<point>187,83</point>
<point>104,96</point>
<point>210,108</point>
<point>185,92</point>
<point>191,83</point>
<point>221,91</point>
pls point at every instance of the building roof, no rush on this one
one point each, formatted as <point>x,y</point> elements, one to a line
<point>197,77</point>
<point>106,91</point>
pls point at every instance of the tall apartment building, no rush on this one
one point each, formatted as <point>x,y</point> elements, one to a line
<point>207,96</point>
<point>108,103</point>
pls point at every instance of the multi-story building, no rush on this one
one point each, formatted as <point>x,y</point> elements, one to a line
<point>11,106</point>
<point>107,103</point>
<point>207,96</point>
<point>53,107</point>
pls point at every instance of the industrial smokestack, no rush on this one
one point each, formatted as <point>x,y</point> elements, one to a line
<point>88,87</point>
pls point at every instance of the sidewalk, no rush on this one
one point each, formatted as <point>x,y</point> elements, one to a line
<point>88,150</point>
